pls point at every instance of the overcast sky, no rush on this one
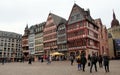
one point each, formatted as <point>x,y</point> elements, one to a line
<point>15,14</point>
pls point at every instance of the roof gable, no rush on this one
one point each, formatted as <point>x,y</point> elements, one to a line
<point>78,14</point>
<point>57,19</point>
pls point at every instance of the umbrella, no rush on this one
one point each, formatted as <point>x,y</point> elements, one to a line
<point>56,53</point>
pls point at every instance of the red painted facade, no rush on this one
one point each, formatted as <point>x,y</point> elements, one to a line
<point>25,47</point>
<point>103,37</point>
<point>50,35</point>
<point>82,32</point>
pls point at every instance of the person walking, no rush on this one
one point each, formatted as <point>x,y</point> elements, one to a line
<point>49,59</point>
<point>41,59</point>
<point>100,60</point>
<point>93,62</point>
<point>72,59</point>
<point>83,62</point>
<point>106,62</point>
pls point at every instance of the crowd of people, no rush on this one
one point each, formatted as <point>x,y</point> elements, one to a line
<point>82,61</point>
<point>91,61</point>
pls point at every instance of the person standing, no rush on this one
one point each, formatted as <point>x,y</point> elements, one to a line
<point>30,60</point>
<point>41,59</point>
<point>93,62</point>
<point>72,59</point>
<point>100,60</point>
<point>106,62</point>
<point>89,58</point>
<point>83,62</point>
<point>79,63</point>
<point>49,59</point>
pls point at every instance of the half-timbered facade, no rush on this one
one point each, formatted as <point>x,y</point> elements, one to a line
<point>25,47</point>
<point>82,32</point>
<point>62,37</point>
<point>39,51</point>
<point>103,37</point>
<point>50,33</point>
<point>31,41</point>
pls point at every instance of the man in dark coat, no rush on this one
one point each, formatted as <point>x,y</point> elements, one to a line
<point>106,62</point>
<point>89,58</point>
<point>41,59</point>
<point>83,62</point>
<point>93,62</point>
<point>100,60</point>
<point>30,61</point>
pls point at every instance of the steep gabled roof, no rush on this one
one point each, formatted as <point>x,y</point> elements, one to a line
<point>98,22</point>
<point>57,19</point>
<point>84,14</point>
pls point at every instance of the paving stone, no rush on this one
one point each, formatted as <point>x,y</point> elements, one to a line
<point>55,68</point>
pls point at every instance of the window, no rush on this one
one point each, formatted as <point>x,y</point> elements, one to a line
<point>91,33</point>
<point>91,26</point>
<point>77,16</point>
<point>81,32</point>
<point>72,18</point>
<point>95,35</point>
<point>81,24</point>
<point>91,42</point>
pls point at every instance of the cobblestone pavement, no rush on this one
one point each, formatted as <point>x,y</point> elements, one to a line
<point>55,68</point>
